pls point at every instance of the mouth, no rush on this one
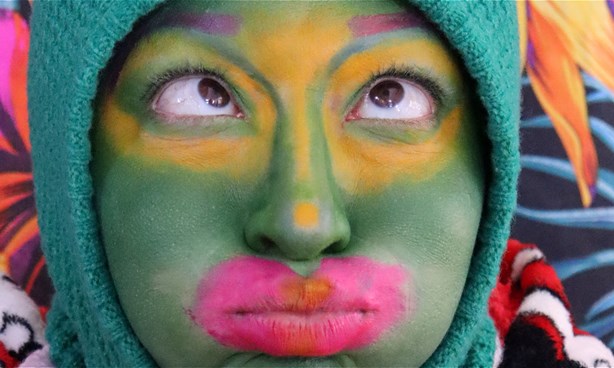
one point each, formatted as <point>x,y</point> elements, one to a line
<point>255,304</point>
<point>300,311</point>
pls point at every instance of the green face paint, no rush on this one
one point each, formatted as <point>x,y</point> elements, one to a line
<point>330,136</point>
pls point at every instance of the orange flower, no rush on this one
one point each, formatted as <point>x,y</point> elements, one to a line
<point>558,40</point>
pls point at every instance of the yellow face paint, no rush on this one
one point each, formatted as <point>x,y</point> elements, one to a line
<point>239,155</point>
<point>294,81</point>
<point>286,109</point>
<point>366,165</point>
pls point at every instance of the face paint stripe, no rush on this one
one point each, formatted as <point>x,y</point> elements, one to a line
<point>302,139</point>
<point>368,25</point>
<point>213,24</point>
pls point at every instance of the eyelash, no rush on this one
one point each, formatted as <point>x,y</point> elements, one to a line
<point>420,77</point>
<point>160,80</point>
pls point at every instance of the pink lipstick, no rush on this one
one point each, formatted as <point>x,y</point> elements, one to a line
<point>256,304</point>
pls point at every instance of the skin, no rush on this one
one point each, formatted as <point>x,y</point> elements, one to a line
<point>291,178</point>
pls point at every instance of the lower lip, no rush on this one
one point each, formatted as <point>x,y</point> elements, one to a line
<point>288,334</point>
<point>242,303</point>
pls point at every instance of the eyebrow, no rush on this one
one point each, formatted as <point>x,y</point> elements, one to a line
<point>209,23</point>
<point>368,25</point>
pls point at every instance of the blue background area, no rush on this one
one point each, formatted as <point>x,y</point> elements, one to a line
<point>578,241</point>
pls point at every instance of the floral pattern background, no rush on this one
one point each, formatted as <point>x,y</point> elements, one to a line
<point>20,253</point>
<point>566,202</point>
<point>566,198</point>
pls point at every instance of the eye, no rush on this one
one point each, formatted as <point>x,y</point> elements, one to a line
<point>394,99</point>
<point>194,95</point>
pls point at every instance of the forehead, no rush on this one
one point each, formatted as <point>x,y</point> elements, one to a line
<point>290,39</point>
<point>232,18</point>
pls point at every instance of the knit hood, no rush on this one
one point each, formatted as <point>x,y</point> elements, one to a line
<point>73,41</point>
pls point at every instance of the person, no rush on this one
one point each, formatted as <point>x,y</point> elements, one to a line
<point>287,184</point>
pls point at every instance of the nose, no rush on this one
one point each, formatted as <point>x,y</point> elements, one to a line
<point>301,214</point>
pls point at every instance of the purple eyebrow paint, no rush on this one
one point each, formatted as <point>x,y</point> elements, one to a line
<point>367,25</point>
<point>210,23</point>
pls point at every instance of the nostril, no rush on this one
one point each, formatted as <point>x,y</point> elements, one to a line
<point>335,247</point>
<point>268,232</point>
<point>266,243</point>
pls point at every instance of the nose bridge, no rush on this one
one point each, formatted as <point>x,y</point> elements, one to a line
<point>309,158</point>
<point>301,216</point>
<point>298,134</point>
<point>308,180</point>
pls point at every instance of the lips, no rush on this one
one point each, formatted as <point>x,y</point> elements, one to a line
<point>255,304</point>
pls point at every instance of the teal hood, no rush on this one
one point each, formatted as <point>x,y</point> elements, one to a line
<point>72,41</point>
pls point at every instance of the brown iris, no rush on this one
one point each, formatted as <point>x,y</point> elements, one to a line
<point>213,92</point>
<point>386,94</point>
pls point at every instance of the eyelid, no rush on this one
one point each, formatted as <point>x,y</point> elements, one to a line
<point>418,76</point>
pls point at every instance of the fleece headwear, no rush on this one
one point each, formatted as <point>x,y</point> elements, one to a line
<point>71,43</point>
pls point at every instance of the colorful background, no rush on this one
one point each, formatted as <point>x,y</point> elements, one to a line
<point>566,201</point>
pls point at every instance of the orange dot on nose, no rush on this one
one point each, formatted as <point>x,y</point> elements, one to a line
<point>306,215</point>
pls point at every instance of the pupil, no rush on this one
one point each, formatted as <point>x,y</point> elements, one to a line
<point>213,92</point>
<point>386,94</point>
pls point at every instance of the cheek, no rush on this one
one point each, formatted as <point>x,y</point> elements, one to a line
<point>433,223</point>
<point>430,228</point>
<point>138,199</point>
<point>161,227</point>
<point>363,166</point>
<point>158,219</point>
<point>434,214</point>
<point>242,151</point>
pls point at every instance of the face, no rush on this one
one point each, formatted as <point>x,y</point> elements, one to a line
<point>288,184</point>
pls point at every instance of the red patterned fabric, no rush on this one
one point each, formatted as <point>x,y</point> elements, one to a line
<point>21,326</point>
<point>531,313</point>
<point>6,360</point>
